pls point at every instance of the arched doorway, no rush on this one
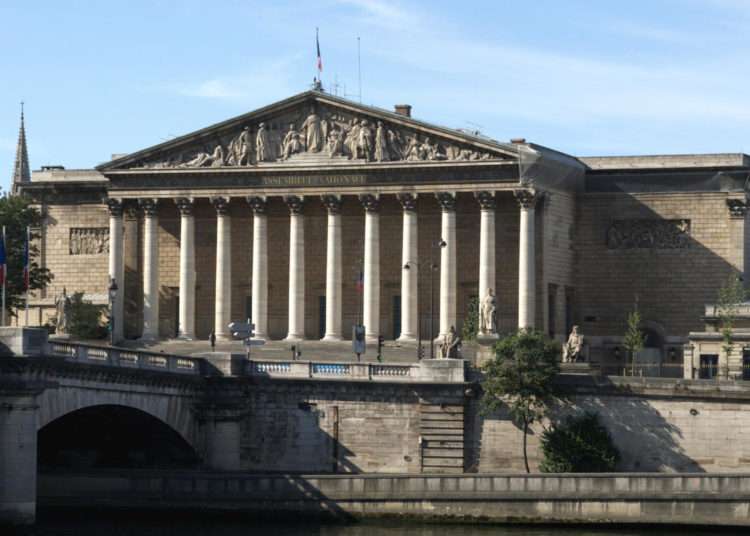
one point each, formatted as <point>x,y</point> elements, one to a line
<point>647,362</point>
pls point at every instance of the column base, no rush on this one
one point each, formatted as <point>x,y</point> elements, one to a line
<point>294,337</point>
<point>185,337</point>
<point>407,337</point>
<point>149,336</point>
<point>332,337</point>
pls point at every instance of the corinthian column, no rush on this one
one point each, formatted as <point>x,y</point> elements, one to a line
<point>526,259</point>
<point>223,296</point>
<point>116,266</point>
<point>150,269</point>
<point>333,268</point>
<point>371,313</point>
<point>260,266</point>
<point>296,268</point>
<point>409,269</point>
<point>186,328</point>
<point>486,246</point>
<point>447,262</point>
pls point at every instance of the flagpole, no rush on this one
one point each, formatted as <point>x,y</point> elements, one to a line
<point>26,275</point>
<point>5,276</point>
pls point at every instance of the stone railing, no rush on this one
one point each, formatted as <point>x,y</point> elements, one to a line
<point>349,371</point>
<point>429,370</point>
<point>120,357</point>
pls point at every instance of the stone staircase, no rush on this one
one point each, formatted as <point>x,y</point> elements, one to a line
<point>441,428</point>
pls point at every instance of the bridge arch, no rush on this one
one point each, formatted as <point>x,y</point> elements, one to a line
<point>113,436</point>
<point>171,408</point>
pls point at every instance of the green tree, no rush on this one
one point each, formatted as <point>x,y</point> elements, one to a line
<point>730,295</point>
<point>634,339</point>
<point>86,318</point>
<point>578,445</point>
<point>471,320</point>
<point>16,213</point>
<point>520,379</point>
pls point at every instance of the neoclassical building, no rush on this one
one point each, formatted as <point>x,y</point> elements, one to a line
<point>273,215</point>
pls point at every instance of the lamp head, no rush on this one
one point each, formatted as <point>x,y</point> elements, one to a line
<point>442,243</point>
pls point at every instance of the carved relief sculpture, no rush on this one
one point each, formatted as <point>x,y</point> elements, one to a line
<point>88,241</point>
<point>649,234</point>
<point>331,133</point>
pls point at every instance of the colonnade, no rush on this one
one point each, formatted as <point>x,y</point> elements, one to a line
<point>371,269</point>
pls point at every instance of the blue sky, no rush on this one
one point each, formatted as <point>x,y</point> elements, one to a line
<point>583,77</point>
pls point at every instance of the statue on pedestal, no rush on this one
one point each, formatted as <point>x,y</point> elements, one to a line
<point>64,312</point>
<point>450,345</point>
<point>572,349</point>
<point>488,313</point>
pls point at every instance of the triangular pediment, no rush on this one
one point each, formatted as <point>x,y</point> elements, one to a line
<point>313,129</point>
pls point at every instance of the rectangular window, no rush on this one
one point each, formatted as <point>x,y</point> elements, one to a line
<point>746,364</point>
<point>569,310</point>
<point>551,306</point>
<point>321,317</point>
<point>248,309</point>
<point>709,366</point>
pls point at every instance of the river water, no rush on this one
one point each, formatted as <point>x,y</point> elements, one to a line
<point>217,527</point>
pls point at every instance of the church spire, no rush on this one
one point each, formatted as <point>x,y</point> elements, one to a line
<point>21,171</point>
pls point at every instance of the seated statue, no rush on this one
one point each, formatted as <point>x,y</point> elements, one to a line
<point>572,348</point>
<point>450,345</point>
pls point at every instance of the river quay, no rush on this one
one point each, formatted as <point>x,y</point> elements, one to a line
<point>671,499</point>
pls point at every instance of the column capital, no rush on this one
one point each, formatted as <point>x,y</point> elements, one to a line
<point>526,199</point>
<point>115,207</point>
<point>185,204</point>
<point>447,201</point>
<point>259,204</point>
<point>332,203</point>
<point>486,199</point>
<point>408,201</point>
<point>150,206</point>
<point>130,210</point>
<point>296,204</point>
<point>737,208</point>
<point>371,202</point>
<point>222,205</point>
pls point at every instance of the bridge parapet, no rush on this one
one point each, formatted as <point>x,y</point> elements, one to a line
<point>124,358</point>
<point>438,370</point>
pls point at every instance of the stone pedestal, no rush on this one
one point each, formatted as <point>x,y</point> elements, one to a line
<point>484,348</point>
<point>223,363</point>
<point>23,341</point>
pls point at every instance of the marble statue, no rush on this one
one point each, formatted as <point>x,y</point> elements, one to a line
<point>572,349</point>
<point>381,144</point>
<point>314,136</point>
<point>64,312</point>
<point>292,143</point>
<point>488,313</point>
<point>261,144</point>
<point>450,345</point>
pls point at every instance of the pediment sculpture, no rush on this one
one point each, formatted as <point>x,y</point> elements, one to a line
<point>322,132</point>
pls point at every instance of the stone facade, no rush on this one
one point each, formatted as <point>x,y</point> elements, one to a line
<point>575,240</point>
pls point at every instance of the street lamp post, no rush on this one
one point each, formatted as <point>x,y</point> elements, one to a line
<point>433,266</point>
<point>112,297</point>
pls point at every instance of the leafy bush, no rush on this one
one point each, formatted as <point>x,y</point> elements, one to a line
<point>578,445</point>
<point>471,320</point>
<point>86,318</point>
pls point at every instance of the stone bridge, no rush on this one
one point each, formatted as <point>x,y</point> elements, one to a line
<point>65,404</point>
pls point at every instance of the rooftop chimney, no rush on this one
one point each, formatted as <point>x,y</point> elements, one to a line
<point>403,109</point>
<point>518,141</point>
